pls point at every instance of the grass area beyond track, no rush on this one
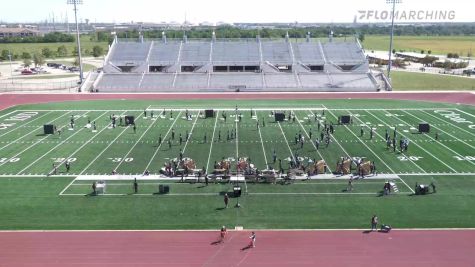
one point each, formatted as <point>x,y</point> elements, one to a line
<point>32,199</point>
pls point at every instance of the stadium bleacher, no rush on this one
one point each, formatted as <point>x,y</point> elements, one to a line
<point>226,65</point>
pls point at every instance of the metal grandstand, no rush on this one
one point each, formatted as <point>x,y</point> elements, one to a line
<point>171,65</point>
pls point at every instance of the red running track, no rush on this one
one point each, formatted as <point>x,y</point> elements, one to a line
<point>273,248</point>
<point>8,100</point>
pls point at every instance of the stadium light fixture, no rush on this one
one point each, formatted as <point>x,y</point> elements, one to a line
<point>75,3</point>
<point>393,12</point>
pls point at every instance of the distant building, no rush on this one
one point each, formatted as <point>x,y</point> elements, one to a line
<point>17,32</point>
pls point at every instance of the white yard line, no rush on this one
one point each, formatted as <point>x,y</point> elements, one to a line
<point>362,142</point>
<point>35,143</point>
<point>136,142</point>
<point>455,137</point>
<point>287,142</point>
<point>423,149</point>
<point>331,135</point>
<point>191,132</point>
<point>87,142</point>
<point>461,111</point>
<point>22,125</point>
<point>56,146</point>
<point>66,188</point>
<point>313,144</point>
<point>448,121</point>
<point>31,132</point>
<point>212,141</point>
<point>163,141</point>
<point>237,141</point>
<point>9,113</point>
<point>110,144</point>
<point>440,144</point>
<point>262,144</point>
<point>419,167</point>
<point>389,168</point>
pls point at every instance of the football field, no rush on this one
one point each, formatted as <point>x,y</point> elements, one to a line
<point>34,163</point>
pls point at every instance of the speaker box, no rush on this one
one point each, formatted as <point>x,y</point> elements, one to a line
<point>48,128</point>
<point>279,117</point>
<point>129,120</point>
<point>424,128</point>
<point>209,113</point>
<point>237,191</point>
<point>346,119</point>
<point>163,189</point>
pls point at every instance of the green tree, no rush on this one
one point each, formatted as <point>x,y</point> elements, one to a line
<point>62,51</point>
<point>97,51</point>
<point>26,55</point>
<point>361,36</point>
<point>46,52</point>
<point>38,59</point>
<point>27,62</point>
<point>5,55</point>
<point>76,62</point>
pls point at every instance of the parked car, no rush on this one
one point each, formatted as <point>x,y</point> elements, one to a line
<point>73,69</point>
<point>27,72</point>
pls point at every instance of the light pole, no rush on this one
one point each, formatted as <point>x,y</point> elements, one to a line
<point>75,3</point>
<point>11,69</point>
<point>393,2</point>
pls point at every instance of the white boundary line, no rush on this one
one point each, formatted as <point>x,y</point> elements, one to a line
<point>3,176</point>
<point>105,149</point>
<point>212,141</point>
<point>387,125</point>
<point>58,145</point>
<point>432,155</point>
<point>66,188</point>
<point>180,108</point>
<point>311,142</point>
<point>163,141</point>
<point>214,230</point>
<point>136,142</point>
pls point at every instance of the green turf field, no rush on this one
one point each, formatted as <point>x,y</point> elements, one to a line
<point>439,45</point>
<point>33,197</point>
<point>402,81</point>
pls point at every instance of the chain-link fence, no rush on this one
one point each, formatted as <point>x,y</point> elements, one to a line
<point>69,86</point>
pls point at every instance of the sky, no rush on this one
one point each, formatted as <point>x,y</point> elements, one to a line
<point>214,11</point>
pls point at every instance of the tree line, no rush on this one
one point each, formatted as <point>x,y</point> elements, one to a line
<point>53,37</point>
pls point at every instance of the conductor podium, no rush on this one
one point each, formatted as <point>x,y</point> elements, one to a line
<point>129,120</point>
<point>346,119</point>
<point>424,127</point>
<point>48,128</point>
<point>209,113</point>
<point>163,189</point>
<point>279,117</point>
<point>236,191</point>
